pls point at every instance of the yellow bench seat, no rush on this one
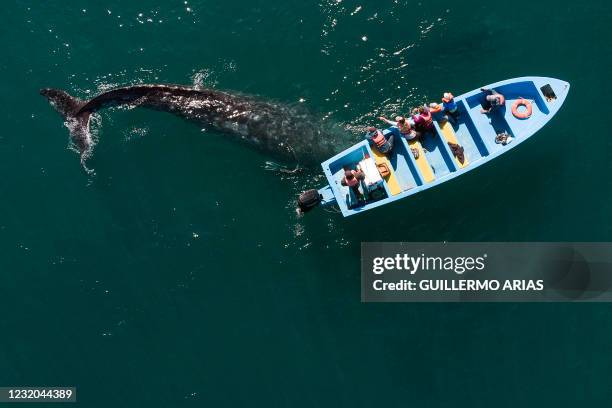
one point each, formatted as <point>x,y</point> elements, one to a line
<point>391,179</point>
<point>448,134</point>
<point>422,163</point>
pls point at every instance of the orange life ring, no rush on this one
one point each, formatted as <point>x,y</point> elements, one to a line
<point>517,104</point>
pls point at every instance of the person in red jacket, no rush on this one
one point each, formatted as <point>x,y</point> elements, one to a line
<point>378,139</point>
<point>352,180</point>
<point>401,125</point>
<point>423,122</point>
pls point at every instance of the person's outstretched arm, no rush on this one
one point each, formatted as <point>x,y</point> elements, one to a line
<point>390,122</point>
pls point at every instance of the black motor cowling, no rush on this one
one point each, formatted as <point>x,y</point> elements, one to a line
<point>308,200</point>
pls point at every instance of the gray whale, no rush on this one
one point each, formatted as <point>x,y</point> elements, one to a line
<point>286,131</point>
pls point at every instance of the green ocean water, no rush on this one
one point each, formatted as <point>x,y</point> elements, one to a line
<point>180,275</point>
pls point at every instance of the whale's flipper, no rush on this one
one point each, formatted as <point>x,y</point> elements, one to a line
<point>76,119</point>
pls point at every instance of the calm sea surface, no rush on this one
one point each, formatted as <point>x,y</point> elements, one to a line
<point>179,274</point>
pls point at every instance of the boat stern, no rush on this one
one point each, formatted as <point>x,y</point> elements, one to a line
<point>327,195</point>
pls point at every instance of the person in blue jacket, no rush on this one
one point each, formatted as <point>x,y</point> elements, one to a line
<point>450,107</point>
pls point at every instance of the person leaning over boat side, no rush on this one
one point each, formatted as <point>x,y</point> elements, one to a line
<point>437,112</point>
<point>423,121</point>
<point>351,179</point>
<point>450,107</point>
<point>402,125</point>
<point>493,99</point>
<point>376,138</point>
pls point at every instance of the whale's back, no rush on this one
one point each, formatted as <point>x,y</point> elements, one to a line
<point>286,131</point>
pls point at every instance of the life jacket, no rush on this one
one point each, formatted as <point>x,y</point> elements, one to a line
<point>352,182</point>
<point>404,128</point>
<point>427,118</point>
<point>423,119</point>
<point>449,105</point>
<point>437,109</point>
<point>379,139</point>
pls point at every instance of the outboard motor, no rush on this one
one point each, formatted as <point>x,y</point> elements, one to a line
<point>308,200</point>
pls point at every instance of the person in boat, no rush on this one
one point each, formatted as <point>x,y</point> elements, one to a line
<point>376,138</point>
<point>493,100</point>
<point>352,179</point>
<point>423,121</point>
<point>437,112</point>
<point>402,126</point>
<point>450,107</point>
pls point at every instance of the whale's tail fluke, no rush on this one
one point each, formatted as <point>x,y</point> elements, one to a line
<point>62,101</point>
<point>76,119</point>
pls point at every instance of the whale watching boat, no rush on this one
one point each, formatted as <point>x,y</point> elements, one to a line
<point>416,165</point>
